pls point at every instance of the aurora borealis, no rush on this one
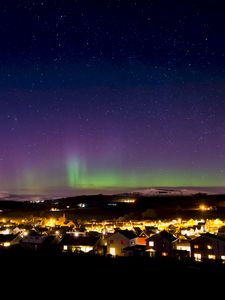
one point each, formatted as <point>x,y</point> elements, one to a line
<point>99,96</point>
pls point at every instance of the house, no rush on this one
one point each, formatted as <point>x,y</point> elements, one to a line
<point>182,247</point>
<point>137,230</point>
<point>135,250</point>
<point>221,231</point>
<point>150,230</point>
<point>137,247</point>
<point>143,234</point>
<point>160,244</point>
<point>194,230</point>
<point>120,240</point>
<point>33,241</point>
<point>138,240</point>
<point>72,243</point>
<point>7,240</point>
<point>208,246</point>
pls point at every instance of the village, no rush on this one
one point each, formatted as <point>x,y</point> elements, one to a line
<point>197,240</point>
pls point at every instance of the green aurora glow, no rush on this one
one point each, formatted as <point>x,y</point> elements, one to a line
<point>79,177</point>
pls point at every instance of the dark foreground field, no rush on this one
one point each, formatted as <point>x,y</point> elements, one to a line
<point>105,277</point>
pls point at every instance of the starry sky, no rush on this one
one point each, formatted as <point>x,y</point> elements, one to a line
<point>99,96</point>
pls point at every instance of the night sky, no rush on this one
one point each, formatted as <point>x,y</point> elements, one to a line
<point>97,96</point>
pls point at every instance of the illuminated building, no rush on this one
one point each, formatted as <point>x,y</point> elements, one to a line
<point>208,246</point>
<point>182,247</point>
<point>72,243</point>
<point>118,241</point>
<point>6,240</point>
<point>35,241</point>
<point>160,244</point>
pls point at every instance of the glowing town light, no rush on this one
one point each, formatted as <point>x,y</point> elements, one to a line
<point>127,200</point>
<point>6,244</point>
<point>5,232</point>
<point>197,256</point>
<point>184,248</point>
<point>203,207</point>
<point>51,222</point>
<point>54,209</point>
<point>112,251</point>
<point>86,248</point>
<point>211,256</point>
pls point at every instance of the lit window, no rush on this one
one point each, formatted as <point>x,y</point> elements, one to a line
<point>152,254</point>
<point>151,244</point>
<point>164,254</point>
<point>184,248</point>
<point>197,256</point>
<point>6,244</point>
<point>86,248</point>
<point>211,256</point>
<point>196,246</point>
<point>112,251</point>
<point>223,257</point>
<point>65,247</point>
<point>209,247</point>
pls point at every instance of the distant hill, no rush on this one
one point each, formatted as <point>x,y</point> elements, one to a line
<point>163,203</point>
<point>167,192</point>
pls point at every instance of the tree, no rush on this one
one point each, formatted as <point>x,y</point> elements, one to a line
<point>149,214</point>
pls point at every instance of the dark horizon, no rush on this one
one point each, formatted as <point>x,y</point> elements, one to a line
<point>27,196</point>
